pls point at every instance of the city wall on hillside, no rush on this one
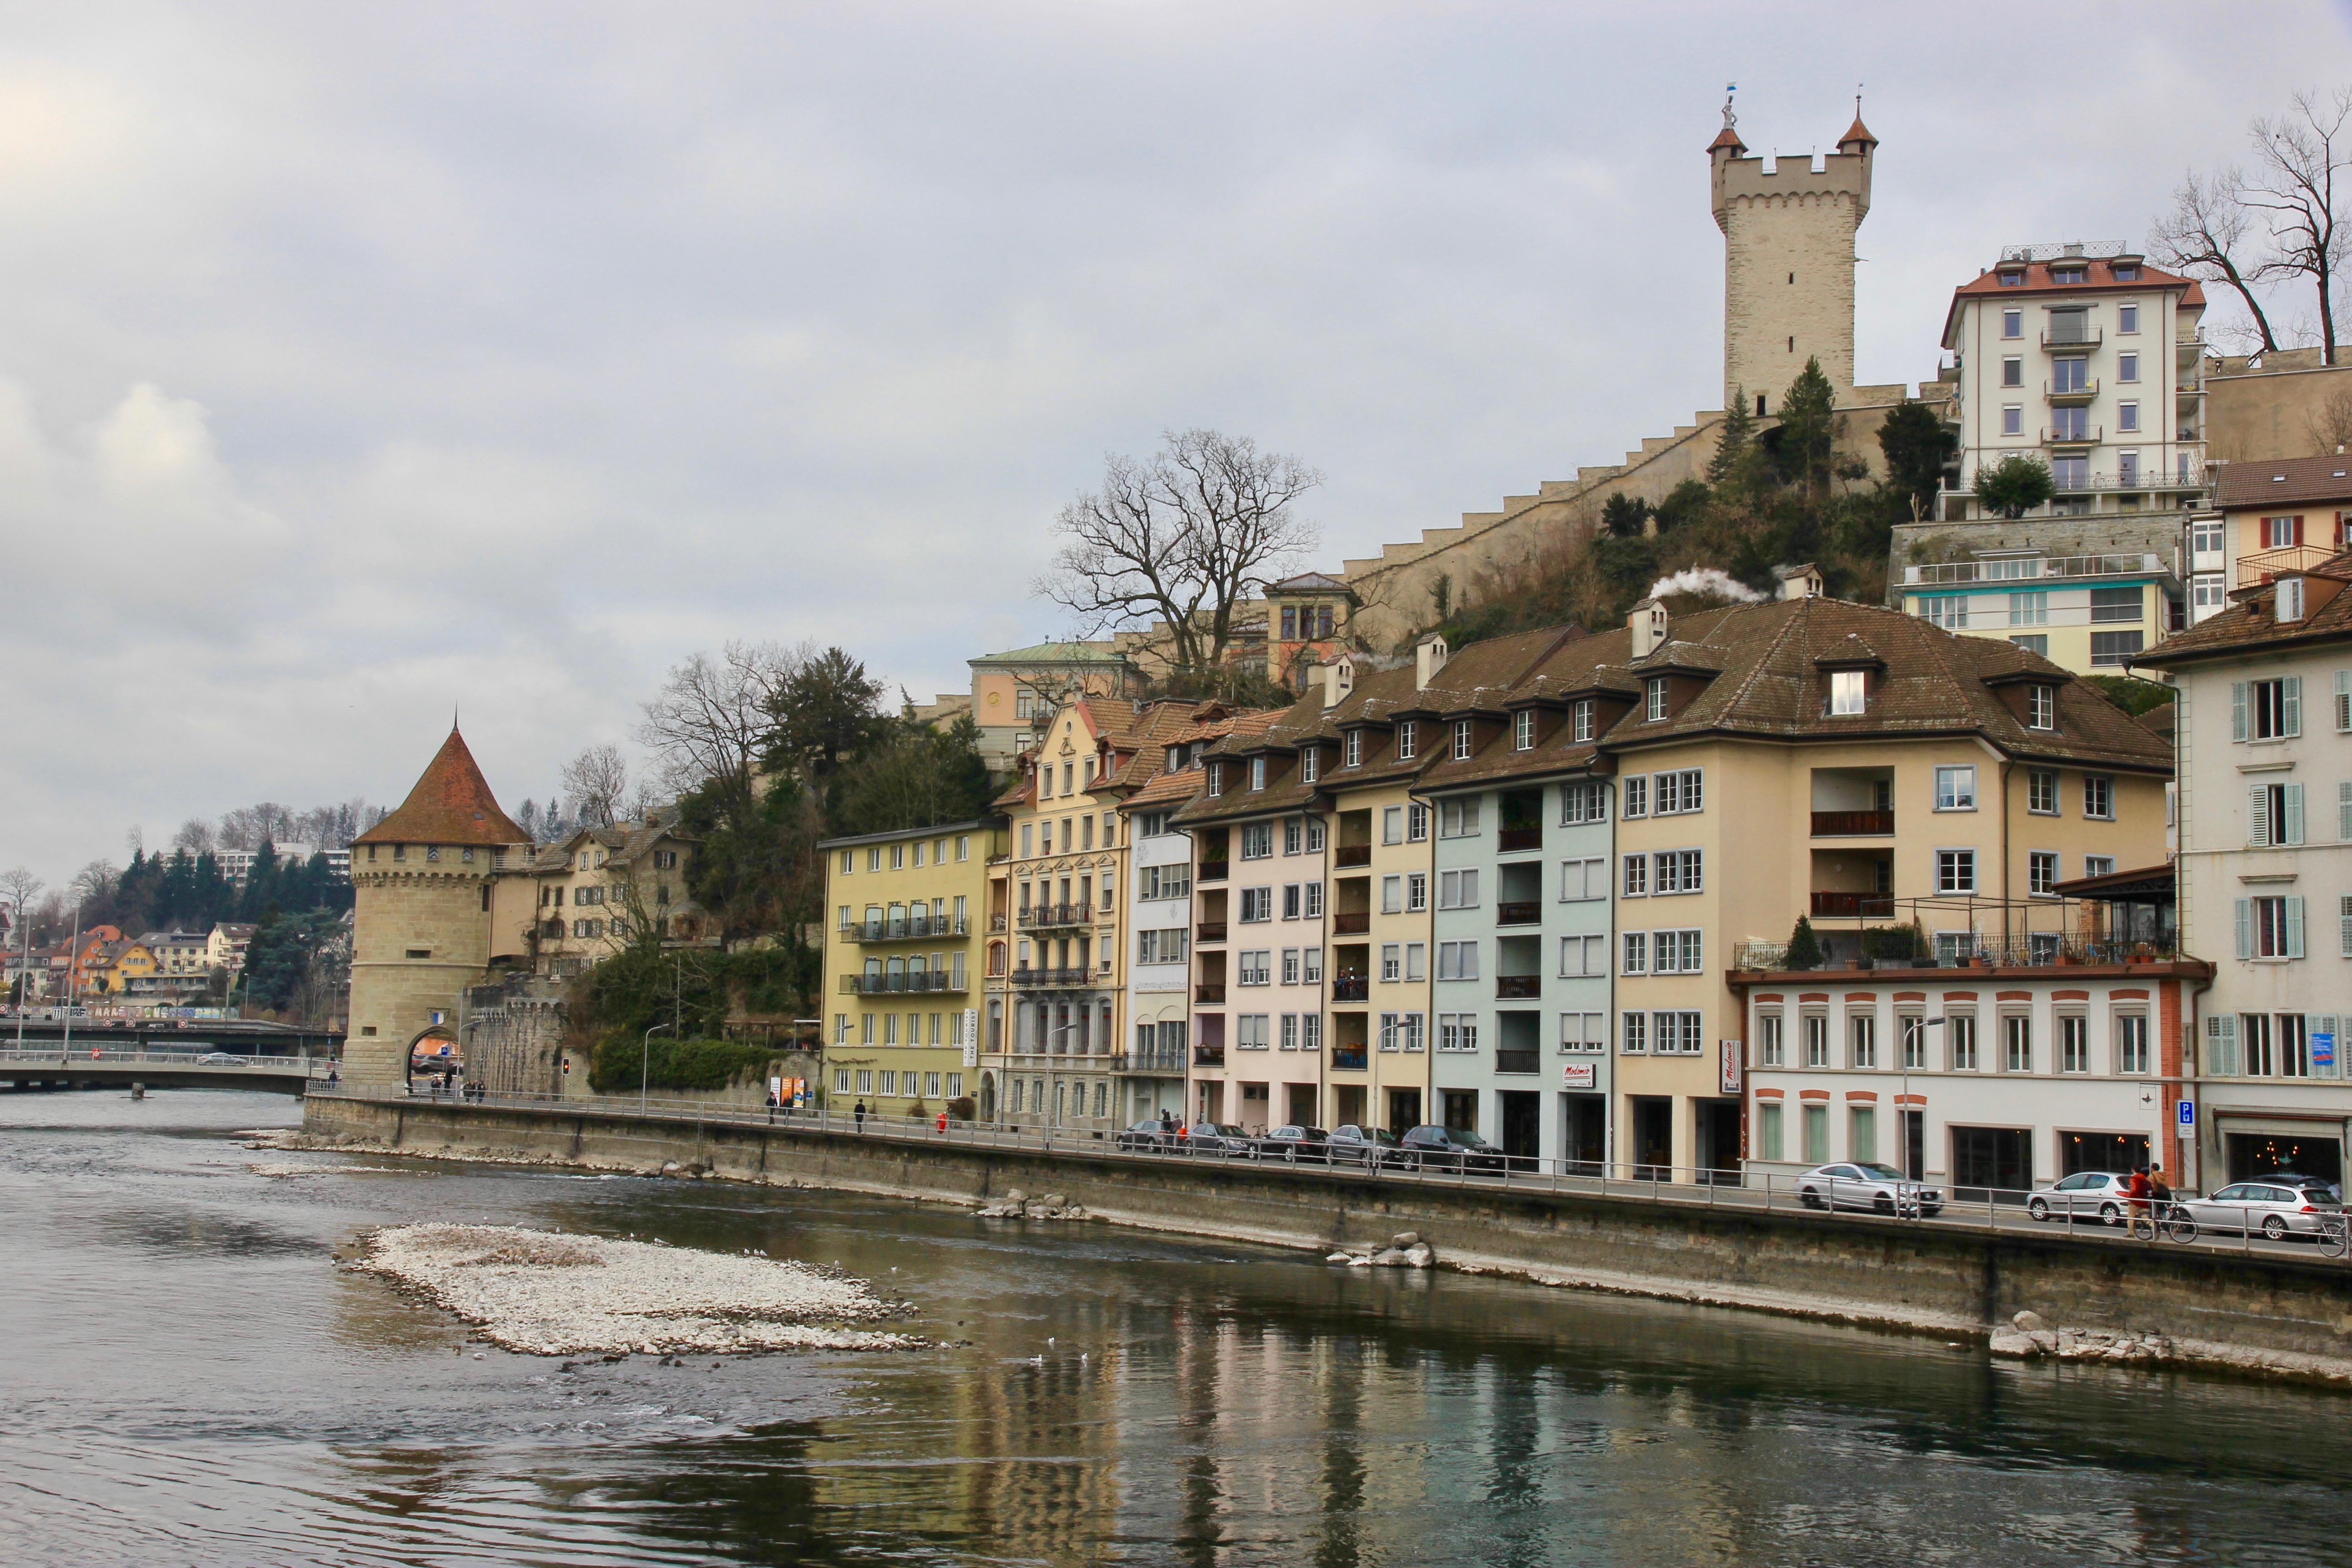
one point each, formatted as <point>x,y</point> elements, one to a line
<point>2255,1313</point>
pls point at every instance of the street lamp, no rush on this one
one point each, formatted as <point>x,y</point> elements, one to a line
<point>645,1062</point>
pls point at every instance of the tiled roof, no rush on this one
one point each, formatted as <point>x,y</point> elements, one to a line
<point>2284,481</point>
<point>2099,280</point>
<point>452,803</point>
<point>2249,625</point>
<point>1857,131</point>
<point>1054,653</point>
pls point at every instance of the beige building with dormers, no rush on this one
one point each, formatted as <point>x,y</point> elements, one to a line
<point>422,925</point>
<point>568,905</point>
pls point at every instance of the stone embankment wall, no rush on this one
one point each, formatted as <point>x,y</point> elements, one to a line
<point>2259,1313</point>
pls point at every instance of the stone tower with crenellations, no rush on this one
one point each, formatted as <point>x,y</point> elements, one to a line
<point>421,928</point>
<point>1787,261</point>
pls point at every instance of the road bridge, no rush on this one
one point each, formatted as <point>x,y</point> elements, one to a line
<point>96,1067</point>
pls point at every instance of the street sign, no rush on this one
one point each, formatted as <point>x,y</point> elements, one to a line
<point>1731,1064</point>
<point>2189,1113</point>
<point>1577,1075</point>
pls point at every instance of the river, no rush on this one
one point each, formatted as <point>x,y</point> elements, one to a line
<point>192,1380</point>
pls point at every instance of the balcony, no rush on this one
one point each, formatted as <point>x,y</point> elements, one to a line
<point>1352,855</point>
<point>1211,872</point>
<point>2056,392</point>
<point>1209,932</point>
<point>1208,1055</point>
<point>905,928</point>
<point>930,981</point>
<point>1510,840</point>
<point>2261,565</point>
<point>1517,987</point>
<point>1528,1062</point>
<point>1519,914</point>
<point>2072,436</point>
<point>1051,917</point>
<point>997,924</point>
<point>1853,824</point>
<point>1066,979</point>
<point>1351,987</point>
<point>1352,924</point>
<point>1863,905</point>
<point>1209,992</point>
<point>2072,338</point>
<point>1349,1058</point>
<point>1170,1063</point>
<point>2042,569</point>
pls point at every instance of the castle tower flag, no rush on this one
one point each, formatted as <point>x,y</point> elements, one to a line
<point>1787,259</point>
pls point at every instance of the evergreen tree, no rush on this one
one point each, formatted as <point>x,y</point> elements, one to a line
<point>1917,446</point>
<point>1809,430</point>
<point>1625,517</point>
<point>828,709</point>
<point>1733,439</point>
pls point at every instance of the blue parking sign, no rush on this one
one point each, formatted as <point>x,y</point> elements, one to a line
<point>2189,1113</point>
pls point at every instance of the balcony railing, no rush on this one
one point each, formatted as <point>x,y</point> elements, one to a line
<point>1519,914</point>
<point>1153,1062</point>
<point>905,928</point>
<point>996,922</point>
<point>1208,1055</point>
<point>1211,872</point>
<point>2014,569</point>
<point>1517,987</point>
<point>1214,992</point>
<point>2153,478</point>
<point>1852,823</point>
<point>1048,917</point>
<point>929,981</point>
<point>1518,1061</point>
<point>2082,394</point>
<point>2072,436</point>
<point>1349,1058</point>
<point>1350,987</point>
<point>2261,565</point>
<point>1352,855</point>
<point>2071,338</point>
<point>1511,839</point>
<point>1023,974</point>
<point>1866,906</point>
<point>1355,924</point>
<point>1209,930</point>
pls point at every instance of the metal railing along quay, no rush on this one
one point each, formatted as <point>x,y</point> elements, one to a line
<point>2003,1211</point>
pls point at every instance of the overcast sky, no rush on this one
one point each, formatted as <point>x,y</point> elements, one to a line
<point>357,360</point>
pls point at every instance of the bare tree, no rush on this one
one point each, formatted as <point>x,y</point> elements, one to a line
<point>18,888</point>
<point>196,836</point>
<point>247,826</point>
<point>2299,158</point>
<point>2330,424</point>
<point>598,782</point>
<point>710,719</point>
<point>2202,235</point>
<point>1182,538</point>
<point>95,881</point>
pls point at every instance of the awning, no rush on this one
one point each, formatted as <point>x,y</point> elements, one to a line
<point>2280,1124</point>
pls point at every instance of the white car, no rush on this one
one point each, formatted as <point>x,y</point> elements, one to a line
<point>2084,1198</point>
<point>1866,1184</point>
<point>2278,1207</point>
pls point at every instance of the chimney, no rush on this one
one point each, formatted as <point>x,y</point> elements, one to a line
<point>1428,658</point>
<point>1648,622</point>
<point>1799,582</point>
<point>1339,679</point>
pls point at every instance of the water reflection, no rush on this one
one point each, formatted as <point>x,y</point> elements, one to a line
<point>213,1390</point>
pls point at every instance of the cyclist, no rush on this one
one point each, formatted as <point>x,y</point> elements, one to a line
<point>2137,1191</point>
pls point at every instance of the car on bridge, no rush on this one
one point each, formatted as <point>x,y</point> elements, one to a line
<point>1867,1185</point>
<point>1218,1138</point>
<point>221,1060</point>
<point>1369,1147</point>
<point>1149,1136</point>
<point>1295,1144</point>
<point>1435,1148</point>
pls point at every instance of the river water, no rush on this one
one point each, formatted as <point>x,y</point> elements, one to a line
<point>190,1379</point>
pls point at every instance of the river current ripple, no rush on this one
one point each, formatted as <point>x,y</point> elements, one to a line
<point>190,1380</point>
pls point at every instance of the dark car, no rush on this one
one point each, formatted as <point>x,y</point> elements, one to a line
<point>1367,1146</point>
<point>1296,1143</point>
<point>1149,1136</point>
<point>1434,1148</point>
<point>1218,1138</point>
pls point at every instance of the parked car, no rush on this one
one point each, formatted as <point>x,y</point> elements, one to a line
<point>1218,1138</point>
<point>1296,1143</point>
<point>2272,1205</point>
<point>2086,1195</point>
<point>1366,1146</point>
<point>1435,1148</point>
<point>2297,1179</point>
<point>1866,1184</point>
<point>1149,1136</point>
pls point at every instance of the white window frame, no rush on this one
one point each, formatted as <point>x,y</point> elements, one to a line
<point>1523,729</point>
<point>1958,773</point>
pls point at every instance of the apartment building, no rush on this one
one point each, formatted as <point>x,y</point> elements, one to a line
<point>225,943</point>
<point>2264,732</point>
<point>563,907</point>
<point>1261,863</point>
<point>905,949</point>
<point>1524,870</point>
<point>2089,593</point>
<point>2088,359</point>
<point>1016,693</point>
<point>2282,515</point>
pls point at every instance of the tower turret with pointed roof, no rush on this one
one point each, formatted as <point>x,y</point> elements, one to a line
<point>421,929</point>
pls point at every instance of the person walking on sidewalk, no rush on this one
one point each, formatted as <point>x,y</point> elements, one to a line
<point>859,1113</point>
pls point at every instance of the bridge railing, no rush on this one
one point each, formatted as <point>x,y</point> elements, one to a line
<point>319,1068</point>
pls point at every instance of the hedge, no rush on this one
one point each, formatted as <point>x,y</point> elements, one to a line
<point>621,1061</point>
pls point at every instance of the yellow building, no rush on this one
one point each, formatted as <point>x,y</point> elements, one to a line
<point>905,950</point>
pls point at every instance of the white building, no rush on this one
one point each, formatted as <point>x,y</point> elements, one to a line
<point>2087,358</point>
<point>1159,923</point>
<point>2266,868</point>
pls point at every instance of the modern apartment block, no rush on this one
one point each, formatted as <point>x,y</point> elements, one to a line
<point>2283,515</point>
<point>2089,359</point>
<point>2265,865</point>
<point>903,951</point>
<point>2090,594</point>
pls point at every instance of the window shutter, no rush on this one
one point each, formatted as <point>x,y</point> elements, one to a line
<point>2294,927</point>
<point>2222,1044</point>
<point>2245,922</point>
<point>2291,694</point>
<point>2298,528</point>
<point>2258,816</point>
<point>2344,812</point>
<point>2344,699</point>
<point>2343,921</point>
<point>2237,711</point>
<point>2291,830</point>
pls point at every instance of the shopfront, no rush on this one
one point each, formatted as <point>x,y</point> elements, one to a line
<point>2263,1146</point>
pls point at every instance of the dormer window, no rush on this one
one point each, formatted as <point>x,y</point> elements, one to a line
<point>1407,739</point>
<point>1257,773</point>
<point>1216,778</point>
<point>1848,691</point>
<point>2012,280</point>
<point>1196,753</point>
<point>2126,272</point>
<point>1653,698</point>
<point>1580,718</point>
<point>2040,707</point>
<point>1523,729</point>
<point>1462,732</point>
<point>1355,749</point>
<point>1311,765</point>
<point>2070,275</point>
<point>2289,600</point>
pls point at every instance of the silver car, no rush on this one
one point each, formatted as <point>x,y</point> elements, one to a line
<point>2082,1198</point>
<point>1866,1184</point>
<point>2275,1205</point>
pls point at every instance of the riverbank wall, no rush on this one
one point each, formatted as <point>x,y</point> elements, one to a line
<point>2259,1313</point>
